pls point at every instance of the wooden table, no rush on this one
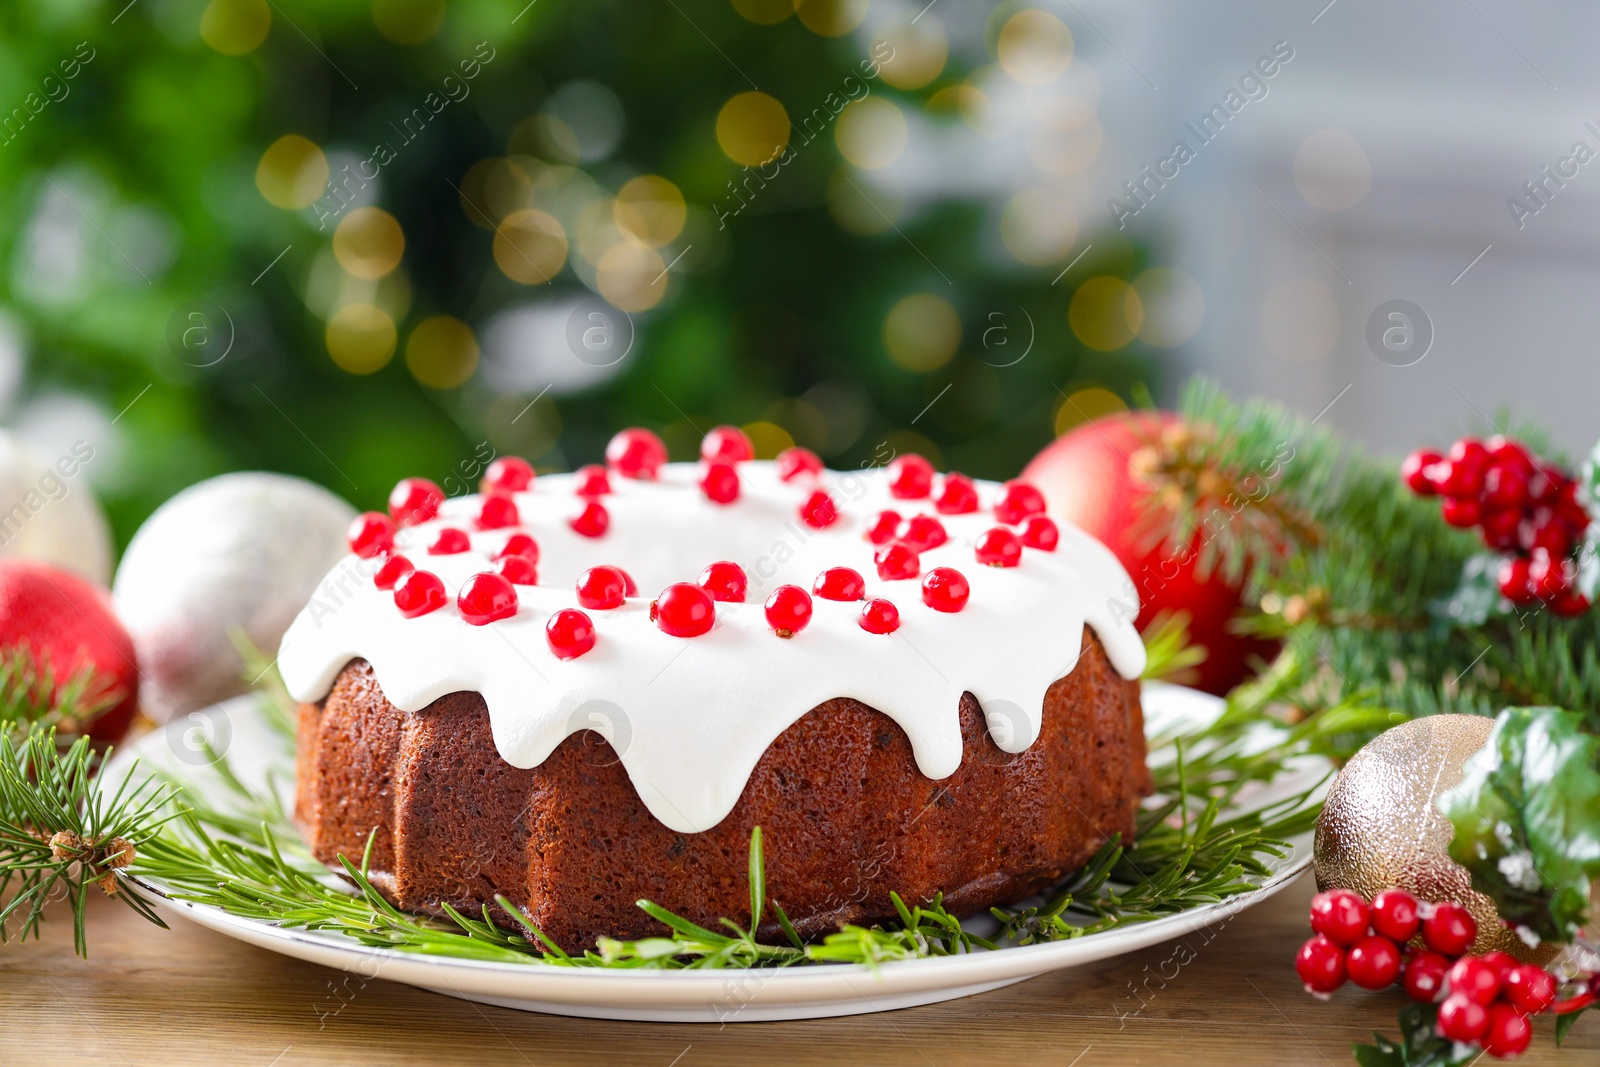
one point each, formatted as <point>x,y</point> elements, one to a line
<point>188,996</point>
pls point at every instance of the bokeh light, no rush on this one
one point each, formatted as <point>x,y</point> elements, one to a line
<point>1065,137</point>
<point>368,242</point>
<point>768,437</point>
<point>632,277</point>
<point>920,51</point>
<point>922,332</point>
<point>361,338</point>
<point>831,18</point>
<point>292,173</point>
<point>1038,226</point>
<point>1300,320</point>
<point>1084,403</point>
<point>1331,170</point>
<point>858,209</point>
<point>1174,306</point>
<point>1034,47</point>
<point>650,209</point>
<point>752,128</point>
<point>530,247</point>
<point>235,27</point>
<point>442,352</point>
<point>1106,313</point>
<point>408,21</point>
<point>968,101</point>
<point>764,12</point>
<point>871,133</point>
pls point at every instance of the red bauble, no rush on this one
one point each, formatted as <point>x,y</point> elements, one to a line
<point>66,623</point>
<point>1086,478</point>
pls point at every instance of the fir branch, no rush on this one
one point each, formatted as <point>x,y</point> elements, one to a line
<point>31,692</point>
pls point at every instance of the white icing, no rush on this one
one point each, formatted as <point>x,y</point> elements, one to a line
<point>690,717</point>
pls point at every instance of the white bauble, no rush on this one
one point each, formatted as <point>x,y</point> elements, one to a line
<point>240,552</point>
<point>49,513</point>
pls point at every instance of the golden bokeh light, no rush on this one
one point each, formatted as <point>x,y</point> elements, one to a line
<point>408,21</point>
<point>1174,306</point>
<point>831,18</point>
<point>1038,226</point>
<point>968,101</point>
<point>1035,47</point>
<point>768,438</point>
<point>1106,313</point>
<point>903,442</point>
<point>235,27</point>
<point>650,209</point>
<point>752,128</point>
<point>1065,137</point>
<point>368,243</point>
<point>530,247</point>
<point>361,338</point>
<point>764,12</point>
<point>1086,404</point>
<point>442,352</point>
<point>470,192</point>
<point>920,51</point>
<point>507,187</point>
<point>292,173</point>
<point>631,277</point>
<point>871,133</point>
<point>922,332</point>
<point>860,210</point>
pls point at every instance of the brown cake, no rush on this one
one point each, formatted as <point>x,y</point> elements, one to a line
<point>907,784</point>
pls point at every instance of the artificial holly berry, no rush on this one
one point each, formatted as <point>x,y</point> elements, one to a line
<point>1513,581</point>
<point>725,581</point>
<point>1041,532</point>
<point>1464,512</point>
<point>897,560</point>
<point>819,511</point>
<point>1462,1019</point>
<point>923,532</point>
<point>1373,962</point>
<point>1502,962</point>
<point>1532,989</point>
<point>569,633</point>
<point>486,598</point>
<point>727,444</point>
<point>519,544</point>
<point>999,547</point>
<point>683,610</point>
<point>719,482</point>
<point>1475,979</point>
<point>449,541</point>
<point>496,513</point>
<point>1414,470</point>
<point>910,477</point>
<point>601,588</point>
<point>945,589</point>
<point>1017,501</point>
<point>508,474</point>
<point>418,593</point>
<point>592,521</point>
<point>518,570</point>
<point>1424,976</point>
<point>839,583</point>
<point>371,533</point>
<point>798,463</point>
<point>1550,576</point>
<point>1394,914</point>
<point>1500,528</point>
<point>636,453</point>
<point>394,568</point>
<point>883,527</point>
<point>1508,1033</point>
<point>788,610</point>
<point>957,495</point>
<point>878,616</point>
<point>1320,964</point>
<point>1505,486</point>
<point>1449,928</point>
<point>592,480</point>
<point>414,500</point>
<point>1340,915</point>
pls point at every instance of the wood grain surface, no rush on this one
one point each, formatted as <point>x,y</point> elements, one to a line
<point>188,996</point>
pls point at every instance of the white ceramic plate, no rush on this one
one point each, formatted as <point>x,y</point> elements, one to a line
<point>681,996</point>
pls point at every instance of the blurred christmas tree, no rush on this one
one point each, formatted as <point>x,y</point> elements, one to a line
<point>355,240</point>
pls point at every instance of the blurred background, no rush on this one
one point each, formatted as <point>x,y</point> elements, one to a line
<point>355,240</point>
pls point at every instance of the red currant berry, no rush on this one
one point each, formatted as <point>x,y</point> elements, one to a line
<point>1449,928</point>
<point>1320,965</point>
<point>788,610</point>
<point>496,513</point>
<point>601,588</point>
<point>569,633</point>
<point>414,500</point>
<point>487,598</point>
<point>592,480</point>
<point>1017,501</point>
<point>1508,1033</point>
<point>1464,512</point>
<point>727,444</point>
<point>720,482</point>
<point>508,474</point>
<point>1373,962</point>
<point>1462,1019</point>
<point>636,453</point>
<point>945,589</point>
<point>910,477</point>
<point>999,547</point>
<point>683,610</point>
<point>1041,532</point>
<point>1394,915</point>
<point>1513,581</point>
<point>819,511</point>
<point>418,593</point>
<point>725,582</point>
<point>1340,915</point>
<point>839,583</point>
<point>1499,528</point>
<point>519,544</point>
<point>1424,976</point>
<point>897,560</point>
<point>629,586</point>
<point>957,495</point>
<point>1532,989</point>
<point>592,521</point>
<point>878,616</point>
<point>394,568</point>
<point>518,570</point>
<point>923,532</point>
<point>1414,471</point>
<point>798,463</point>
<point>1474,979</point>
<point>370,534</point>
<point>449,542</point>
<point>883,527</point>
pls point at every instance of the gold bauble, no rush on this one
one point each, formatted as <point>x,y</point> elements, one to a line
<point>1380,827</point>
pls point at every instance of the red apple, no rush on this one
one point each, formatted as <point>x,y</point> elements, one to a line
<point>1087,480</point>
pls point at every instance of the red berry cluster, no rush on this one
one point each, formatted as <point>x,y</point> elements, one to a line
<point>1483,1000</point>
<point>1520,505</point>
